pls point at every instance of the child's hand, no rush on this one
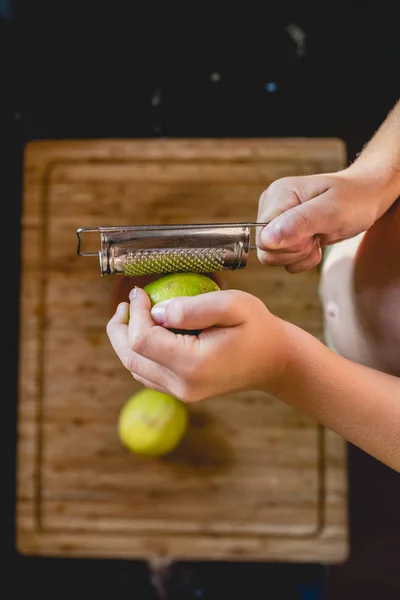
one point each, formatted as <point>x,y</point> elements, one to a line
<point>310,211</point>
<point>241,346</point>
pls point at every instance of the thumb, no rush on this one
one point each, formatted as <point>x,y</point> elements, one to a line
<point>297,225</point>
<point>213,309</point>
<point>140,306</point>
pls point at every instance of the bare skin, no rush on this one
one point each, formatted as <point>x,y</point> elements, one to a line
<point>377,289</point>
<point>354,390</point>
<point>318,210</point>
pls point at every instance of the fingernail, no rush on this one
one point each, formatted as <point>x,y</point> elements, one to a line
<point>158,313</point>
<point>271,236</point>
<point>120,307</point>
<point>133,293</point>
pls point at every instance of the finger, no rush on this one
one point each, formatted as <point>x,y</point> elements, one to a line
<point>148,339</point>
<point>275,258</point>
<point>121,315</point>
<point>333,238</point>
<point>118,333</point>
<point>288,192</point>
<point>316,216</point>
<point>117,330</point>
<point>117,326</point>
<point>150,384</point>
<point>141,367</point>
<point>281,195</point>
<point>139,308</point>
<point>143,370</point>
<point>305,264</point>
<point>214,309</point>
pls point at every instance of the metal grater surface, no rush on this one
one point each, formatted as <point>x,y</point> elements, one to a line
<point>192,260</point>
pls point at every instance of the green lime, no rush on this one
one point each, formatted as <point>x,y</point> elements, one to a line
<point>152,423</point>
<point>180,284</point>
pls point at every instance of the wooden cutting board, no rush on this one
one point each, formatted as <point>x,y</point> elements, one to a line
<point>254,479</point>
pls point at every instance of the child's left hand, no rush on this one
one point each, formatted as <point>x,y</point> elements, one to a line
<point>241,345</point>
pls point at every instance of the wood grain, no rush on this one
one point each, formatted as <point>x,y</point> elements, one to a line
<point>254,479</point>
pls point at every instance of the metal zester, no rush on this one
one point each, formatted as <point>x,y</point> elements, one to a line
<point>162,249</point>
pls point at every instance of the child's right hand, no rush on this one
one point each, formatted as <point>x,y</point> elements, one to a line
<point>308,212</point>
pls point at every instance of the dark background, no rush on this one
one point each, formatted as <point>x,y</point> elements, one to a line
<point>127,69</point>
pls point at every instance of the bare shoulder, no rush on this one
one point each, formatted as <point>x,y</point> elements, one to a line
<point>360,295</point>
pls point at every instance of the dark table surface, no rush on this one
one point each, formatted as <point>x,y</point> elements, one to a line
<point>127,69</point>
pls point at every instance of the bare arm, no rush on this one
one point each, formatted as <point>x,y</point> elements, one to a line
<point>379,161</point>
<point>360,404</point>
